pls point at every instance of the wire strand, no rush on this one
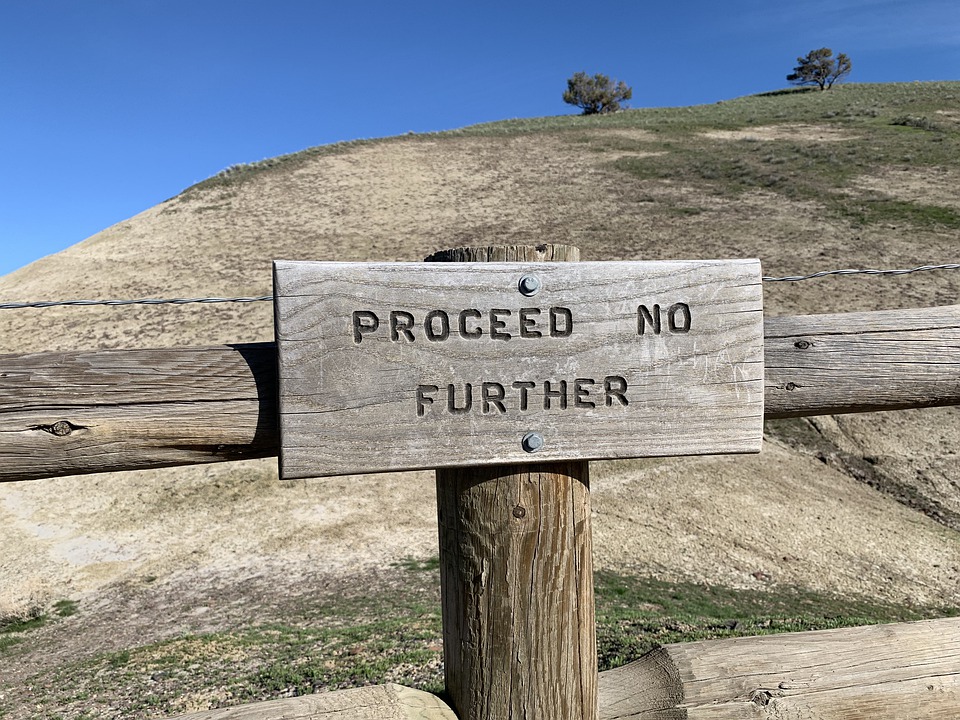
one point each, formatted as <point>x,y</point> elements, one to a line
<point>268,298</point>
<point>824,273</point>
<point>142,301</point>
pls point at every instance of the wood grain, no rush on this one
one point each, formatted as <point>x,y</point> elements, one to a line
<point>516,574</point>
<point>379,702</point>
<point>902,671</point>
<point>109,410</point>
<point>137,409</point>
<point>392,366</point>
<point>858,362</point>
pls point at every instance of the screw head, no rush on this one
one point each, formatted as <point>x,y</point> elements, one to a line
<point>529,285</point>
<point>532,442</point>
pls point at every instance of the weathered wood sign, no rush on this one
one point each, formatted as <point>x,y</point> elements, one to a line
<point>394,366</point>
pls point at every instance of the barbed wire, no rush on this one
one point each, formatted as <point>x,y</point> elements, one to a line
<point>824,273</point>
<point>268,298</point>
<point>142,301</point>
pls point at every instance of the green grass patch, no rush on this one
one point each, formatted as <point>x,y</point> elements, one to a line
<point>848,105</point>
<point>635,615</point>
<point>402,649</point>
<point>118,659</point>
<point>870,211</point>
<point>912,121</point>
<point>800,169</point>
<point>431,564</point>
<point>869,110</point>
<point>727,168</point>
<point>17,624</point>
<point>14,627</point>
<point>65,608</point>
<point>395,635</point>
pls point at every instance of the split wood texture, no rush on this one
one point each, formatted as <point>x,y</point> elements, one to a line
<point>516,573</point>
<point>379,702</point>
<point>902,671</point>
<point>71,413</point>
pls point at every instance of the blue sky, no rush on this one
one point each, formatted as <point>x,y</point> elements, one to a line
<point>111,106</point>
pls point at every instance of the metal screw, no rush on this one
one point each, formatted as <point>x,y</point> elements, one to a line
<point>530,285</point>
<point>532,442</point>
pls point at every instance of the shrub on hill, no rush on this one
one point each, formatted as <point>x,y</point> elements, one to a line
<point>596,95</point>
<point>821,68</point>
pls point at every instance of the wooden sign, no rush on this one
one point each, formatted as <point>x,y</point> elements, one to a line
<point>399,366</point>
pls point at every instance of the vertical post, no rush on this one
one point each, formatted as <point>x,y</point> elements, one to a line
<point>516,574</point>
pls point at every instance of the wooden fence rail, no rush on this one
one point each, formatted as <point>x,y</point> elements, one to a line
<point>899,671</point>
<point>69,413</point>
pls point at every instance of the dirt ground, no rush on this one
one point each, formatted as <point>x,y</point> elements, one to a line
<point>154,553</point>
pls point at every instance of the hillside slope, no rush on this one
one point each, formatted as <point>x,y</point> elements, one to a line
<point>862,176</point>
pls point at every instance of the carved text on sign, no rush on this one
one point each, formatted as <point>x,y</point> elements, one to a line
<point>469,324</point>
<point>500,323</point>
<point>391,366</point>
<point>495,397</point>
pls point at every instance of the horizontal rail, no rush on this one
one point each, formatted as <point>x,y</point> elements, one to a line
<point>365,703</point>
<point>860,362</point>
<point>881,672</point>
<point>69,413</point>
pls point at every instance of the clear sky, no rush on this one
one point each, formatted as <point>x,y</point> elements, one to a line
<point>109,107</point>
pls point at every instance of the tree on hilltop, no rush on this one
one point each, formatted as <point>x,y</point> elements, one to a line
<point>596,95</point>
<point>819,67</point>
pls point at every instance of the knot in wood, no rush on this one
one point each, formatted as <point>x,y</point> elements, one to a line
<point>519,511</point>
<point>61,428</point>
<point>802,344</point>
<point>762,697</point>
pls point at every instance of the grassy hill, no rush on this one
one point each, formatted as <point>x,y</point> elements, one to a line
<point>165,570</point>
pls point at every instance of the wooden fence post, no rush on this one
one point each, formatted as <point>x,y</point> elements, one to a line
<point>516,573</point>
